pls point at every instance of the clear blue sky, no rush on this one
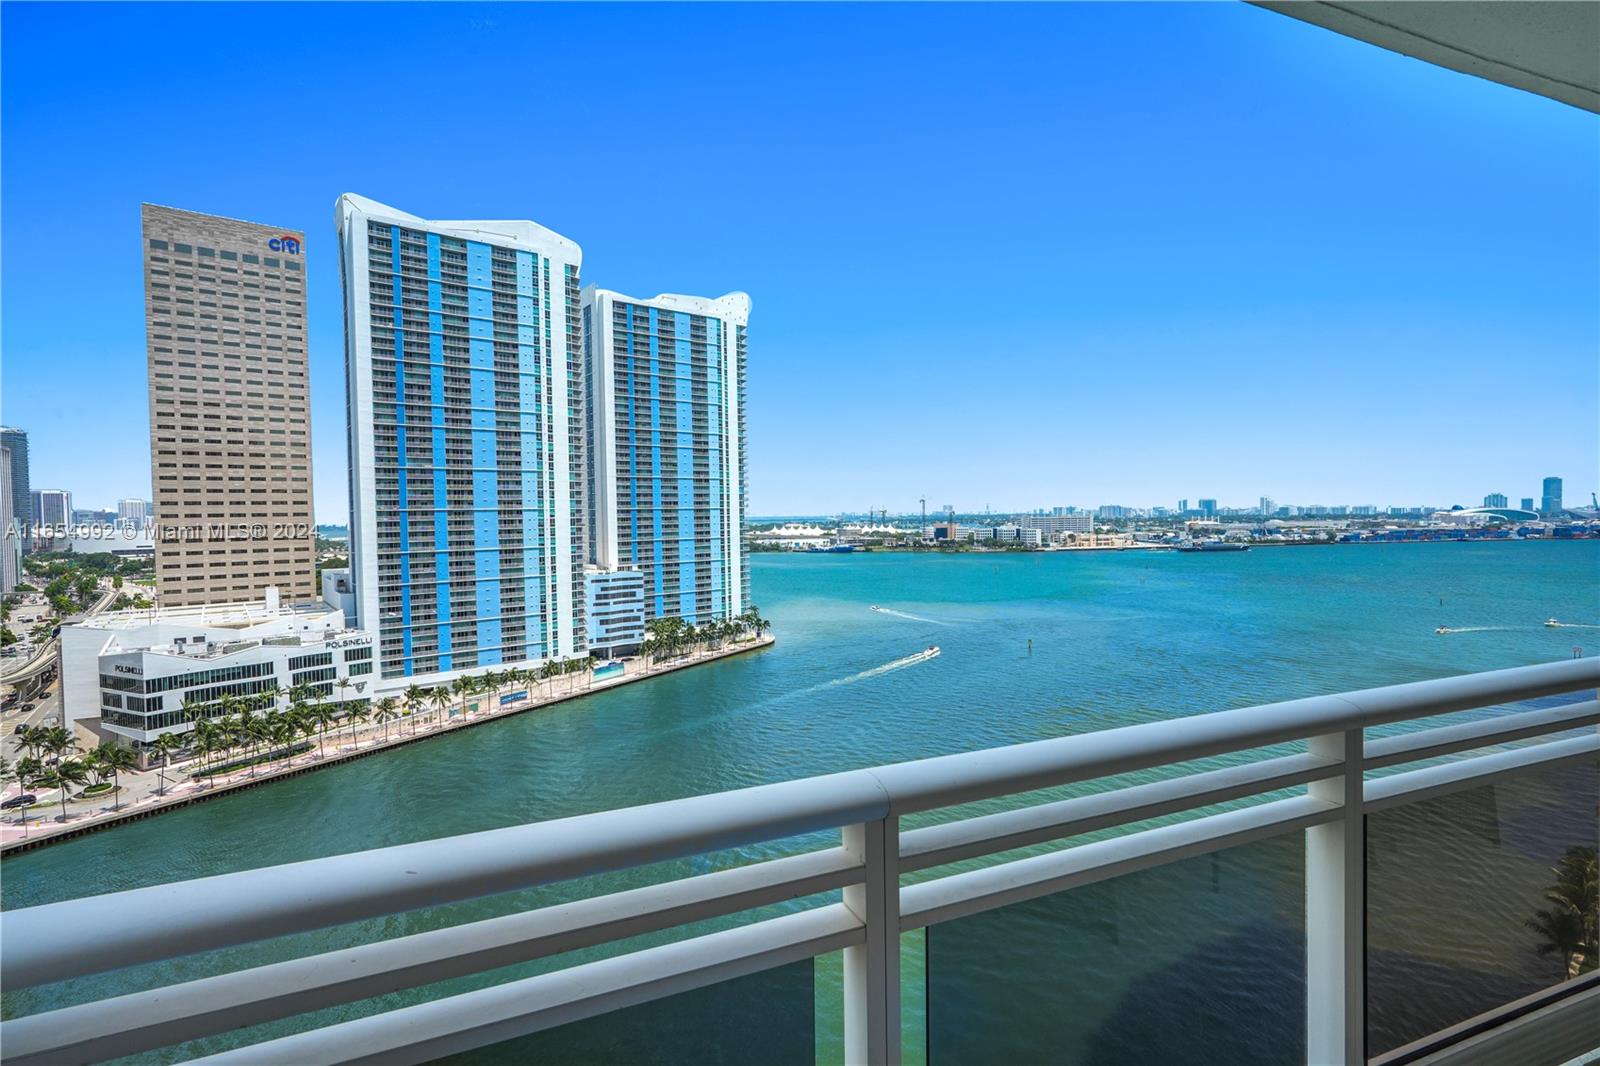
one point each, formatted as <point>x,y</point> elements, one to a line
<point>1006,256</point>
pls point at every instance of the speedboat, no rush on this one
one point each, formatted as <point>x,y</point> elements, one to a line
<point>1442,630</point>
<point>875,607</point>
<point>1551,623</point>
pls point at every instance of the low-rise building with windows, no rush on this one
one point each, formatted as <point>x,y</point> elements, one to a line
<point>615,611</point>
<point>131,676</point>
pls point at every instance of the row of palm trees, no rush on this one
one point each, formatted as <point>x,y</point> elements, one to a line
<point>235,728</point>
<point>232,727</point>
<point>53,758</point>
<point>441,698</point>
<point>671,637</point>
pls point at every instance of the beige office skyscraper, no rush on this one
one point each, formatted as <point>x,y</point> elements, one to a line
<point>230,421</point>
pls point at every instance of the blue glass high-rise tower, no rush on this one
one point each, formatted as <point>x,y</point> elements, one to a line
<point>665,383</point>
<point>466,432</point>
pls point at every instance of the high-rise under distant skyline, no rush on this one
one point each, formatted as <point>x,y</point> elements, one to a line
<point>15,442</point>
<point>465,396</point>
<point>52,508</point>
<point>666,447</point>
<point>10,529</point>
<point>1495,499</point>
<point>230,410</point>
<point>1551,500</point>
<point>133,511</point>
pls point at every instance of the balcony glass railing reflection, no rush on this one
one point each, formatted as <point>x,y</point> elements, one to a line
<point>1229,887</point>
<point>1478,898</point>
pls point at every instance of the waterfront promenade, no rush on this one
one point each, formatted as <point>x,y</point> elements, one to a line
<point>142,795</point>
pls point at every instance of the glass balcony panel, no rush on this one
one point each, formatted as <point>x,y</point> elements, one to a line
<point>770,1016</point>
<point>1478,898</point>
<point>1201,961</point>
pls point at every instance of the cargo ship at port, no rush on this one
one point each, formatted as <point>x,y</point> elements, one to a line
<point>1213,546</point>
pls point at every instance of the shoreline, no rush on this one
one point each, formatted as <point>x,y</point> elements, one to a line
<point>42,835</point>
<point>1370,542</point>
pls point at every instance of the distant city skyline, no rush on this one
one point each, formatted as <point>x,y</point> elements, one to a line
<point>121,507</point>
<point>1096,281</point>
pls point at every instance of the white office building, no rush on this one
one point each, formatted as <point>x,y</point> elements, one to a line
<point>133,512</point>
<point>665,405</point>
<point>1052,524</point>
<point>139,672</point>
<point>466,437</point>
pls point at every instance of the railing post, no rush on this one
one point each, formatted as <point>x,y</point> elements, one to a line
<point>872,971</point>
<point>1336,885</point>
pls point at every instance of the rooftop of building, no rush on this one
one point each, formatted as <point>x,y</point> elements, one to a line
<point>520,232</point>
<point>734,305</point>
<point>241,615</point>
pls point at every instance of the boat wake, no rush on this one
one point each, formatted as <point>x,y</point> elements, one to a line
<point>1553,624</point>
<point>908,617</point>
<point>1444,630</point>
<point>888,668</point>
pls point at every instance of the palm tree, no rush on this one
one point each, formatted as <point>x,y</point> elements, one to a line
<point>113,758</point>
<point>440,698</point>
<point>28,771</point>
<point>63,775</point>
<point>10,773</point>
<point>281,733</point>
<point>93,766</point>
<point>58,742</point>
<point>251,727</point>
<point>193,710</point>
<point>343,685</point>
<point>32,739</point>
<point>305,723</point>
<point>325,716</point>
<point>356,714</point>
<point>164,746</point>
<point>464,687</point>
<point>1568,926</point>
<point>416,696</point>
<point>384,712</point>
<point>259,729</point>
<point>208,740</point>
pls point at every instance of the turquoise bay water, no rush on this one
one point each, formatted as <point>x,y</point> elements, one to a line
<point>1115,639</point>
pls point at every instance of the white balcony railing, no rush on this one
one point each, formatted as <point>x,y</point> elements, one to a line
<point>1325,772</point>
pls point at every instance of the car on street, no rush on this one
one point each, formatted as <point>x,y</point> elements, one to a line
<point>18,801</point>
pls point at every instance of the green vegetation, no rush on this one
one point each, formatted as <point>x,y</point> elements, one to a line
<point>670,637</point>
<point>237,732</point>
<point>1567,927</point>
<point>72,581</point>
<point>252,762</point>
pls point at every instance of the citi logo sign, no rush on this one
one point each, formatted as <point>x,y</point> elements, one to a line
<point>287,244</point>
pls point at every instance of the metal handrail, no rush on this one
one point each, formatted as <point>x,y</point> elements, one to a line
<point>76,937</point>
